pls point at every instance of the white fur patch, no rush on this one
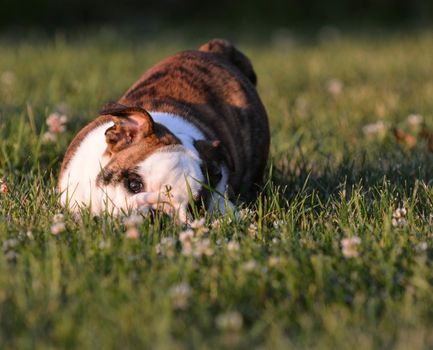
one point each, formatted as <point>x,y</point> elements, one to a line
<point>78,183</point>
<point>183,129</point>
<point>174,168</point>
<point>172,177</point>
<point>187,133</point>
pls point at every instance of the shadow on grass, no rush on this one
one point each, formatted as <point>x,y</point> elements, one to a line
<point>401,169</point>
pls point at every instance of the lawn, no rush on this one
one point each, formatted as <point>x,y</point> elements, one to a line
<point>336,253</point>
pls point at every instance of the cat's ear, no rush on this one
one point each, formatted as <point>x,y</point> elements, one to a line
<point>131,125</point>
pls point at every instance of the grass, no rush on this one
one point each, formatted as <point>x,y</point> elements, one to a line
<point>278,277</point>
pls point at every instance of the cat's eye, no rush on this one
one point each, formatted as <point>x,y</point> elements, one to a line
<point>135,185</point>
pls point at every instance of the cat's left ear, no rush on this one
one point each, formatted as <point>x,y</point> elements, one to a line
<point>131,125</point>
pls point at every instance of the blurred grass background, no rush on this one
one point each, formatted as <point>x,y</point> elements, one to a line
<point>257,13</point>
<point>335,77</point>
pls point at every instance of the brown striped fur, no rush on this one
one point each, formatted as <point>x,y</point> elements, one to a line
<point>213,88</point>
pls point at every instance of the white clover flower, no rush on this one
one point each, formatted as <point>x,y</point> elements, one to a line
<point>186,236</point>
<point>274,260</point>
<point>187,248</point>
<point>57,228</point>
<point>197,224</point>
<point>133,220</point>
<point>3,186</point>
<point>199,227</point>
<point>422,246</point>
<point>103,245</point>
<point>232,246</point>
<point>249,265</point>
<point>166,247</point>
<point>132,233</point>
<point>59,217</point>
<point>375,129</point>
<point>58,225</point>
<point>245,213</point>
<point>400,213</point>
<point>202,248</point>
<point>194,246</point>
<point>275,240</point>
<point>29,235</point>
<point>193,242</point>
<point>56,123</point>
<point>216,224</point>
<point>252,229</point>
<point>334,87</point>
<point>398,222</point>
<point>415,120</point>
<point>279,223</point>
<point>8,247</point>
<point>180,294</point>
<point>9,244</point>
<point>349,246</point>
<point>230,321</point>
<point>399,217</point>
